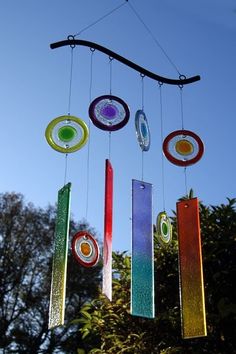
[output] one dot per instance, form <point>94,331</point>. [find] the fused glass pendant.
<point>67,134</point>
<point>142,275</point>
<point>142,130</point>
<point>193,314</point>
<point>183,148</point>
<point>85,249</point>
<point>164,229</point>
<point>59,267</point>
<point>109,112</point>
<point>107,244</point>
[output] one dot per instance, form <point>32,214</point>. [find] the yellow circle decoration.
<point>67,134</point>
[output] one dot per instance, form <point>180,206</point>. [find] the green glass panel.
<point>59,267</point>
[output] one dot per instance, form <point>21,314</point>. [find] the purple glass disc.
<point>109,112</point>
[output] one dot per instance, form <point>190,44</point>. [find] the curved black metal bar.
<point>73,42</point>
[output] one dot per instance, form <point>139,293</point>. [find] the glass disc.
<point>67,134</point>
<point>109,112</point>
<point>183,147</point>
<point>142,130</point>
<point>164,228</point>
<point>85,249</point>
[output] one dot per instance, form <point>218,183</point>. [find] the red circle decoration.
<point>109,112</point>
<point>183,147</point>
<point>85,249</point>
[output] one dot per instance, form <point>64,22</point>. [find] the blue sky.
<point>199,37</point>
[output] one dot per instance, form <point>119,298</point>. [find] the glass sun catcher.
<point>68,134</point>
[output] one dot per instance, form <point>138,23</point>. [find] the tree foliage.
<point>108,327</point>
<point>93,323</point>
<point>26,247</point>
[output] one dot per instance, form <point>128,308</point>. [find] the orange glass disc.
<point>85,249</point>
<point>184,147</point>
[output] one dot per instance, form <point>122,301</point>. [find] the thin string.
<point>110,66</point>
<point>162,157</point>
<point>109,145</point>
<point>154,38</point>
<point>182,124</point>
<point>100,19</point>
<point>185,181</point>
<point>142,164</point>
<point>142,85</point>
<point>110,84</point>
<point>71,76</point>
<point>181,107</point>
<point>89,126</point>
<point>142,101</point>
<point>65,174</point>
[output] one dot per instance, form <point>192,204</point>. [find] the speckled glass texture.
<point>142,274</point>
<point>193,315</point>
<point>59,267</point>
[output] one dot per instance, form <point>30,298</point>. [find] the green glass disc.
<point>67,133</point>
<point>164,228</point>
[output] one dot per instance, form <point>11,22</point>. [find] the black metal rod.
<point>140,69</point>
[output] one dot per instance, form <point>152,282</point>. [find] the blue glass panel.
<point>142,276</point>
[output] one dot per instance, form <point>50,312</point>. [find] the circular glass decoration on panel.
<point>142,130</point>
<point>109,112</point>
<point>67,134</point>
<point>85,249</point>
<point>164,228</point>
<point>183,147</point>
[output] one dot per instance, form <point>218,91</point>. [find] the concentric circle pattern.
<point>142,130</point>
<point>109,112</point>
<point>164,228</point>
<point>85,249</point>
<point>67,134</point>
<point>183,147</point>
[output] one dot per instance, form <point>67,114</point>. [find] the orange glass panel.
<point>193,314</point>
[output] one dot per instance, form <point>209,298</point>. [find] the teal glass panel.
<point>142,275</point>
<point>59,266</point>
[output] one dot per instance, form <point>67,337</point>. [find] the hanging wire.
<point>65,174</point>
<point>110,85</point>
<point>153,37</point>
<point>181,107</point>
<point>182,124</point>
<point>185,181</point>
<point>109,145</point>
<point>142,165</point>
<point>100,19</point>
<point>71,76</point>
<point>110,66</point>
<point>162,138</point>
<point>142,83</point>
<point>89,126</point>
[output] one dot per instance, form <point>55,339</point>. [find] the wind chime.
<point>109,113</point>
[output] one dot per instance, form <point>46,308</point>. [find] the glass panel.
<point>107,247</point>
<point>142,282</point>
<point>193,314</point>
<point>59,267</point>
